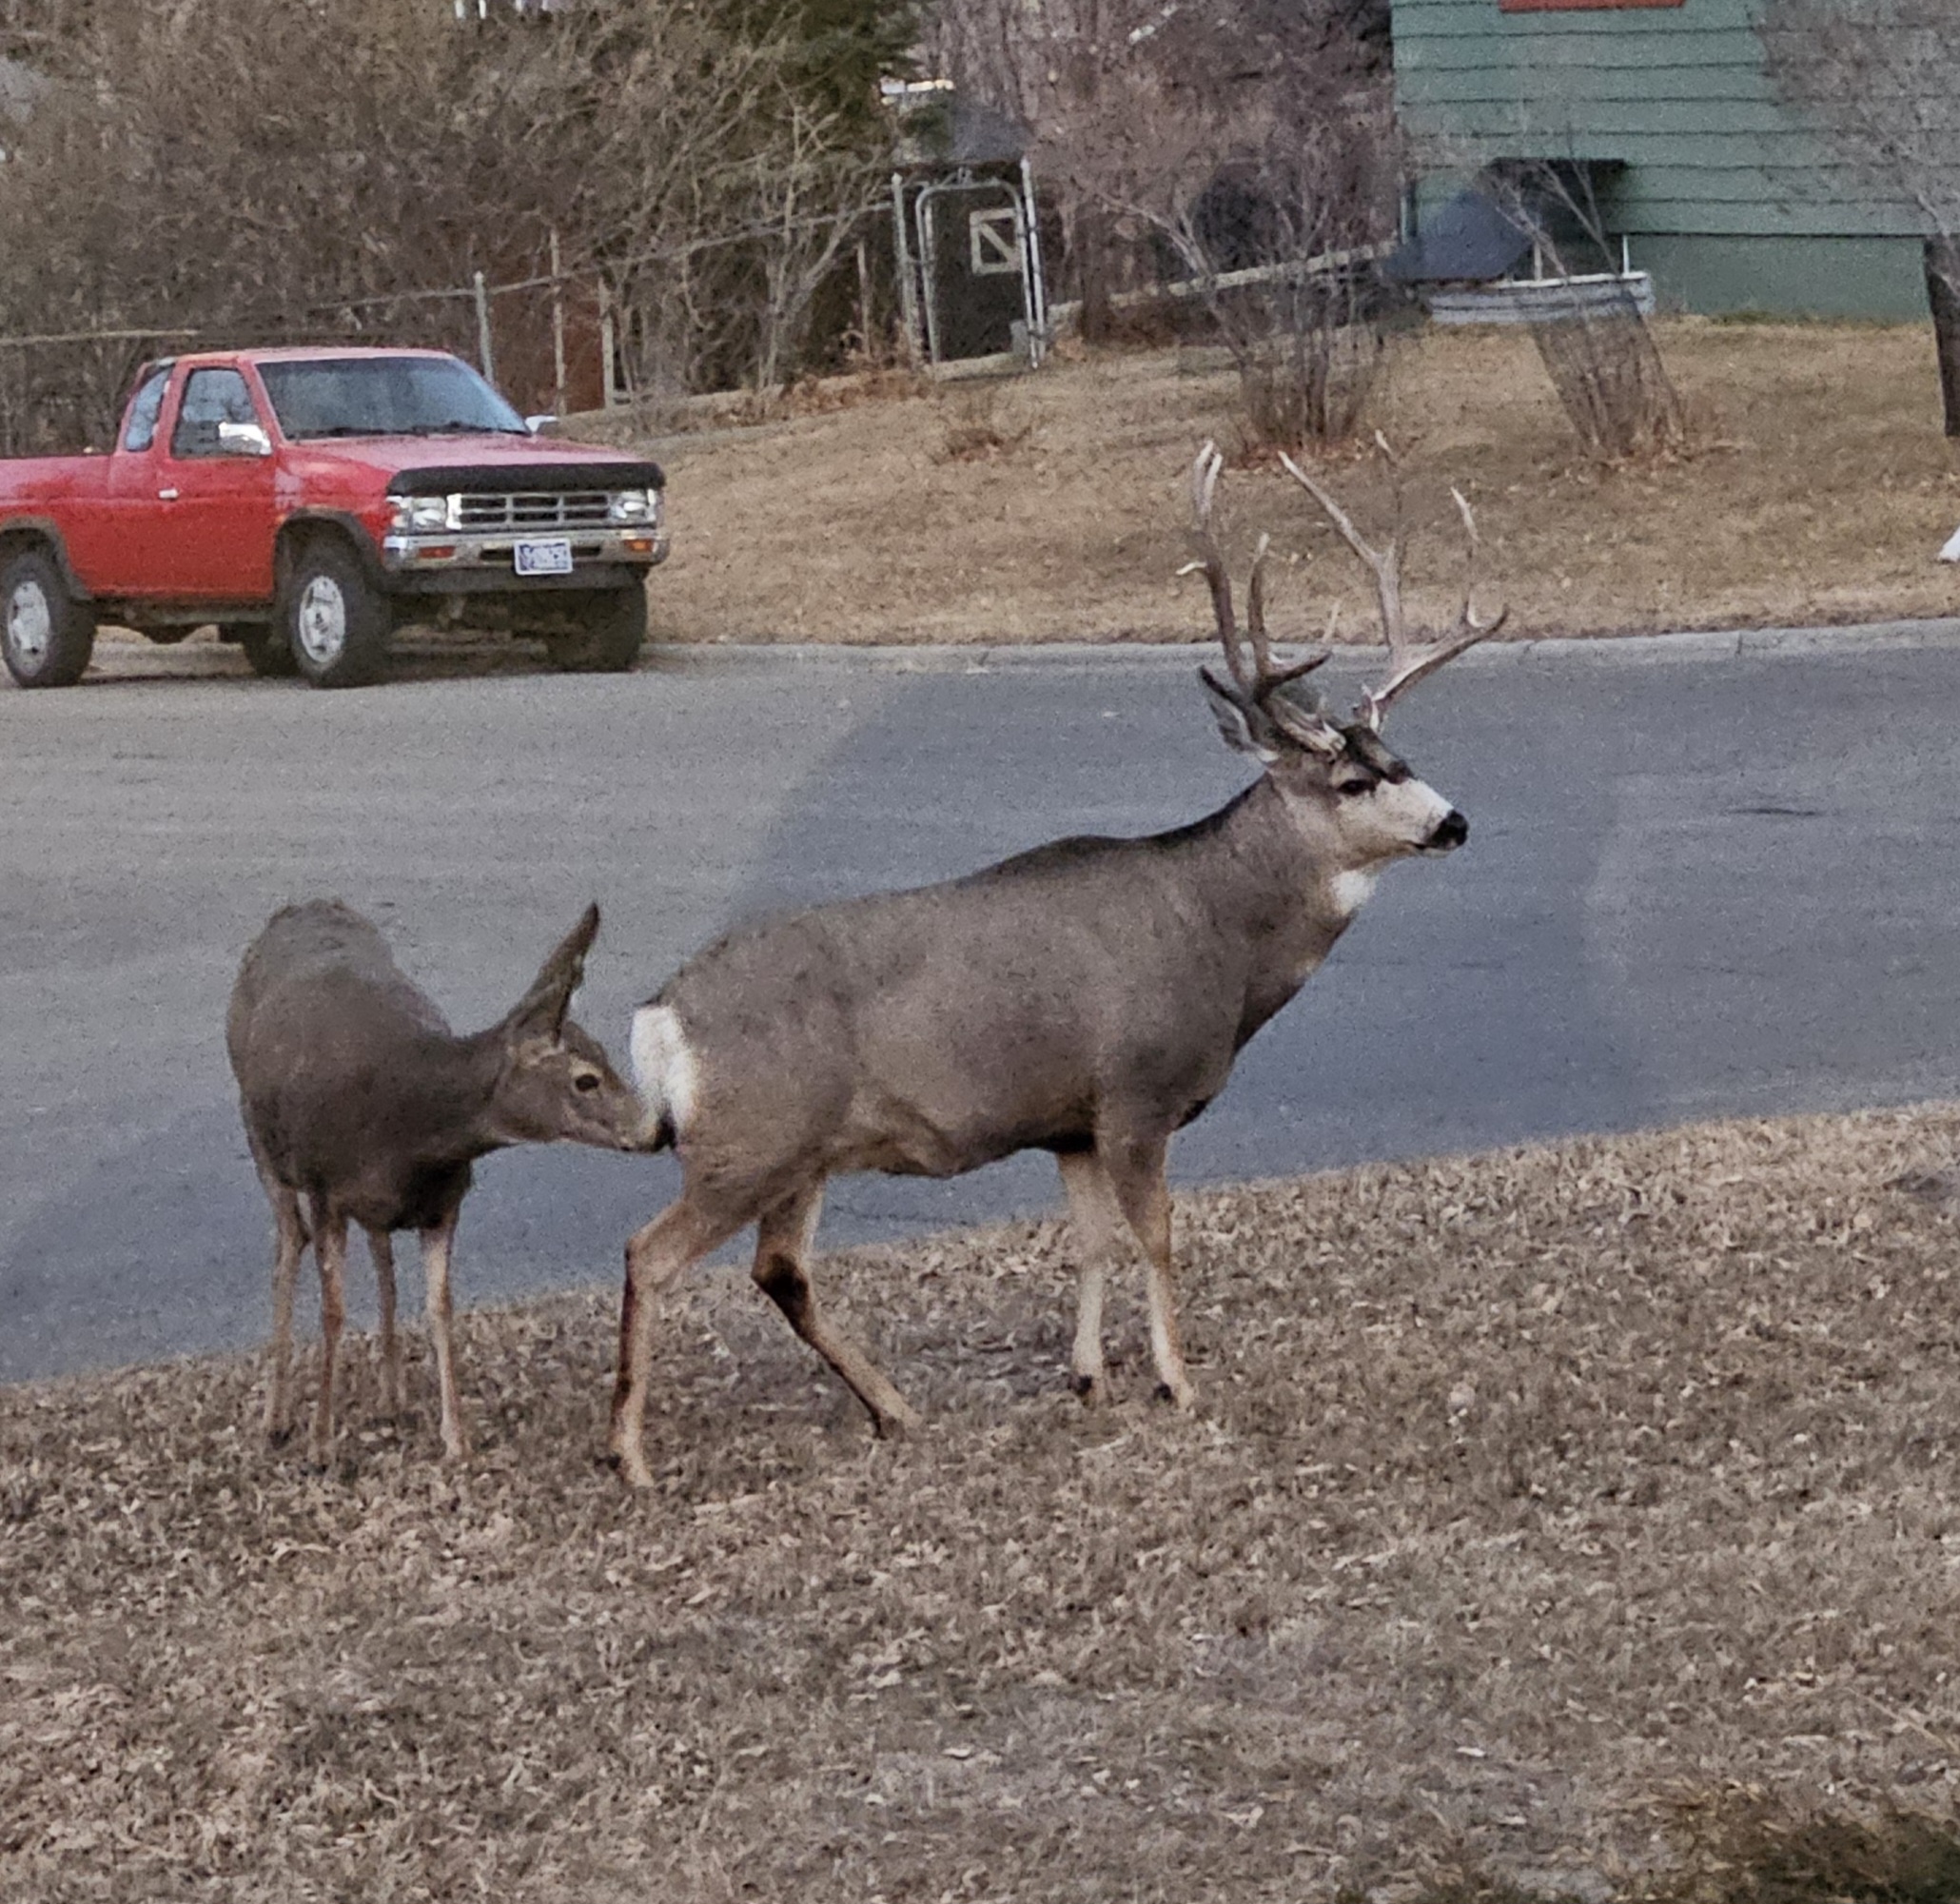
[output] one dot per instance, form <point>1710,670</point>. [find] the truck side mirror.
<point>244,439</point>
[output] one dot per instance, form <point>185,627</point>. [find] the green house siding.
<point>1723,194</point>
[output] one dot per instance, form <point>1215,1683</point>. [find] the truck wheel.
<point>46,635</point>
<point>609,628</point>
<point>265,646</point>
<point>335,622</point>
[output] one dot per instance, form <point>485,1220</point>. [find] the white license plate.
<point>552,557</point>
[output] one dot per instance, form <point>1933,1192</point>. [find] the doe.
<point>358,1097</point>
<point>1086,998</point>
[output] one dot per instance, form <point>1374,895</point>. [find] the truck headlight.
<point>634,505</point>
<point>421,512</point>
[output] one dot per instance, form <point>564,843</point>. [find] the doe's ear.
<point>541,1010</point>
<point>1242,727</point>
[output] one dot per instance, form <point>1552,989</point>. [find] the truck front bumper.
<point>453,562</point>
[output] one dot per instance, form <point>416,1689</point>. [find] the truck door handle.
<point>167,496</point>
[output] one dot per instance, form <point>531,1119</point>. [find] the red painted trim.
<point>1575,6</point>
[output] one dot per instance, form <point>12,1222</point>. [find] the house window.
<point>1574,6</point>
<point>994,239</point>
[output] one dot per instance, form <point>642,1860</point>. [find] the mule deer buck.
<point>1086,998</point>
<point>358,1097</point>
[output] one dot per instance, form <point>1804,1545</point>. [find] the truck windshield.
<point>384,397</point>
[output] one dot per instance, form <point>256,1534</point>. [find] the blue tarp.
<point>1469,239</point>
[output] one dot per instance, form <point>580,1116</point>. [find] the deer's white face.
<point>1364,803</point>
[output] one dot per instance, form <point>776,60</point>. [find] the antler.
<point>1408,662</point>
<point>1258,681</point>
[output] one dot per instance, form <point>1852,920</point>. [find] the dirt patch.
<point>1537,1503</point>
<point>1818,490</point>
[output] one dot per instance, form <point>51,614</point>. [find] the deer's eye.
<point>586,1081</point>
<point>1348,789</point>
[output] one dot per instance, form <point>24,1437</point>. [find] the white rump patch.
<point>664,1067</point>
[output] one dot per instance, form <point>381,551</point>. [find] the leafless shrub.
<point>973,429</point>
<point>1597,349</point>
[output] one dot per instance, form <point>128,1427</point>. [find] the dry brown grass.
<point>1543,1508</point>
<point>1819,490</point>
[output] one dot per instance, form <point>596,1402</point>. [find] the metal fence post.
<point>486,362</point>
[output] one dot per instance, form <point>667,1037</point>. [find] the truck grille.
<point>535,509</point>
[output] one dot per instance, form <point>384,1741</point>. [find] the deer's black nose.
<point>1452,830</point>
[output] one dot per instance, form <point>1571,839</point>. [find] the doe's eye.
<point>1348,789</point>
<point>586,1081</point>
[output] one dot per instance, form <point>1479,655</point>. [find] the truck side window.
<point>210,398</point>
<point>148,404</point>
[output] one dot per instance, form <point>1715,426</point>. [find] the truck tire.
<point>46,635</point>
<point>609,629</point>
<point>335,621</point>
<point>266,648</point>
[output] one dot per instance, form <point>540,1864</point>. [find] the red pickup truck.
<point>309,503</point>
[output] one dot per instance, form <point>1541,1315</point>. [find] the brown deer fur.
<point>358,1098</point>
<point>1086,998</point>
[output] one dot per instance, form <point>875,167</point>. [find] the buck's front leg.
<point>1098,1225</point>
<point>1136,1171</point>
<point>436,1244</point>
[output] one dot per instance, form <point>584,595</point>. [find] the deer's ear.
<point>541,1010</point>
<point>1242,726</point>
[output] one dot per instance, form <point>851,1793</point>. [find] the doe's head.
<point>558,1085</point>
<point>1340,779</point>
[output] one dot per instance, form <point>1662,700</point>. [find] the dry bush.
<point>972,428</point>
<point>1531,1496</point>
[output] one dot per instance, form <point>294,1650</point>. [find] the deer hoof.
<point>895,1424</point>
<point>1092,1389</point>
<point>1184,1399</point>
<point>631,1468</point>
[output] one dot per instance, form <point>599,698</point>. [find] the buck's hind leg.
<point>1136,1173</point>
<point>1097,1219</point>
<point>783,1240</point>
<point>680,1235</point>
<point>293,1238</point>
<point>380,1245</point>
<point>330,1252</point>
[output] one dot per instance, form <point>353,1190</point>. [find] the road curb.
<point>1180,657</point>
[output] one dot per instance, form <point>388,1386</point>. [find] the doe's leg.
<point>1098,1222</point>
<point>380,1245</point>
<point>293,1238</point>
<point>436,1242</point>
<point>783,1240</point>
<point>656,1254</point>
<point>1136,1172</point>
<point>330,1251</point>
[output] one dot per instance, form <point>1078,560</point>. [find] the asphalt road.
<point>1696,883</point>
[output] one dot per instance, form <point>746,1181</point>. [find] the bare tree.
<point>1881,80</point>
<point>1253,152</point>
<point>342,169</point>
